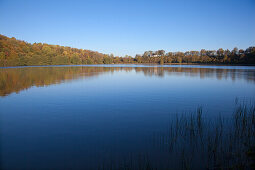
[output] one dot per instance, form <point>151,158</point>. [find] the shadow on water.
<point>21,78</point>
<point>193,141</point>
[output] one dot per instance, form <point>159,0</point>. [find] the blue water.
<point>85,116</point>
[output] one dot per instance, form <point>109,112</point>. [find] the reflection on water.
<point>127,117</point>
<point>17,79</point>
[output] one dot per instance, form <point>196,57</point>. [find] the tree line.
<point>219,56</point>
<point>14,52</point>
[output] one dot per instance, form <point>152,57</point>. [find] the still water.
<point>97,117</point>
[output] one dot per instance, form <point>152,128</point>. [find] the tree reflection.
<point>18,79</point>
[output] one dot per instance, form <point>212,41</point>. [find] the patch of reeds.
<point>193,141</point>
<point>201,143</point>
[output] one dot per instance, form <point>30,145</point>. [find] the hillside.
<point>14,52</point>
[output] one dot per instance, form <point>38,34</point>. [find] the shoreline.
<point>128,64</point>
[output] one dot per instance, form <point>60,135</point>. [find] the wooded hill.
<point>14,52</point>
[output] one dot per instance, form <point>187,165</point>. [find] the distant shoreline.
<point>14,52</point>
<point>129,64</point>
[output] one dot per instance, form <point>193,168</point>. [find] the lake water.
<point>96,117</point>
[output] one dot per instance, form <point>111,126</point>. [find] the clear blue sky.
<point>130,27</point>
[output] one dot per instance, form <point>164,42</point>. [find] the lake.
<point>113,116</point>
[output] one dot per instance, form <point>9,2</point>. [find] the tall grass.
<point>193,141</point>
<point>201,143</point>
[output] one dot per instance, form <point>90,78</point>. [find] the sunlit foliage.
<point>20,53</point>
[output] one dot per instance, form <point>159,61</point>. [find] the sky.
<point>130,27</point>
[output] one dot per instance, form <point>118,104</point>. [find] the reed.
<point>193,141</point>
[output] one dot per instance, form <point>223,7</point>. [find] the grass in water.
<point>194,141</point>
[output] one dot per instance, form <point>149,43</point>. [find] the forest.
<point>15,52</point>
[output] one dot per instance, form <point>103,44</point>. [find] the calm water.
<point>86,117</point>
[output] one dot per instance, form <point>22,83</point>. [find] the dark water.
<point>97,117</point>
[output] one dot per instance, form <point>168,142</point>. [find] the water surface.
<point>83,117</point>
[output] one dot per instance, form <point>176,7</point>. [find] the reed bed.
<point>194,141</point>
